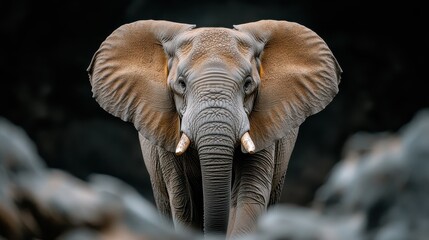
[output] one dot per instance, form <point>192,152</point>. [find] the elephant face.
<point>213,77</point>
<point>275,73</point>
<point>214,87</point>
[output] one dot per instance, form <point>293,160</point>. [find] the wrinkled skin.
<point>214,85</point>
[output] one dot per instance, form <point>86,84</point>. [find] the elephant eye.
<point>181,83</point>
<point>248,85</point>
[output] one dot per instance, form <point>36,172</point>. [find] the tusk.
<point>182,145</point>
<point>247,143</point>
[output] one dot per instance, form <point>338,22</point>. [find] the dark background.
<point>46,47</point>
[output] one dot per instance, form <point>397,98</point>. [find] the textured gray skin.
<point>257,183</point>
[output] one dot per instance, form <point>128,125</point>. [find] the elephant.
<point>217,111</point>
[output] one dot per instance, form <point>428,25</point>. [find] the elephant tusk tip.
<point>251,149</point>
<point>182,145</point>
<point>247,143</point>
<point>179,152</point>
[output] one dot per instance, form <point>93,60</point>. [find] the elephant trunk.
<point>214,121</point>
<point>216,150</point>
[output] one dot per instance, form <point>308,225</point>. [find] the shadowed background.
<point>47,46</point>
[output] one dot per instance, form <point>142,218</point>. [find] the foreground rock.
<point>386,181</point>
<point>43,203</point>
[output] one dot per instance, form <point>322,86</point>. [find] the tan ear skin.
<point>128,75</point>
<point>299,77</point>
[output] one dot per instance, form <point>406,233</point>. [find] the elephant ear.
<point>299,77</point>
<point>128,75</point>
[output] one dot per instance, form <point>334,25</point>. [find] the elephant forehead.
<point>215,43</point>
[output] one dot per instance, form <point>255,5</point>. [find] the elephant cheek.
<point>180,103</point>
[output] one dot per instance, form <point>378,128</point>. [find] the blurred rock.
<point>9,218</point>
<point>140,216</point>
<point>18,154</point>
<point>385,177</point>
<point>363,165</point>
<point>45,203</point>
<point>59,201</point>
<point>297,223</point>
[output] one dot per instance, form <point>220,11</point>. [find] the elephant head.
<point>215,88</point>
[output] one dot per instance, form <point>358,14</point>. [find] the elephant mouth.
<point>246,143</point>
